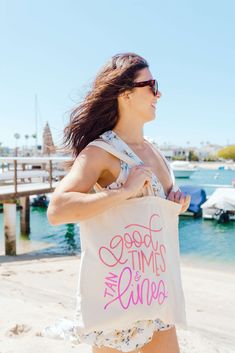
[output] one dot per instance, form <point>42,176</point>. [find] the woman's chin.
<point>153,116</point>
<point>150,117</point>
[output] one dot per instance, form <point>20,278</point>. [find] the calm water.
<point>200,240</point>
<point>209,177</point>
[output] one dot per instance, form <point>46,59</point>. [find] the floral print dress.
<point>140,332</point>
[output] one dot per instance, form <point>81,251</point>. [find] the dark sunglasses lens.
<point>156,88</point>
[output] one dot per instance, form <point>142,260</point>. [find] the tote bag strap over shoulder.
<point>107,147</point>
<point>148,190</point>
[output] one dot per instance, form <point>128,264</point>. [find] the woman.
<point>122,99</point>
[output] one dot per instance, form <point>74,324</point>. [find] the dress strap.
<point>117,142</point>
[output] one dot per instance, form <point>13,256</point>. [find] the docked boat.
<point>39,201</point>
<point>183,169</point>
<point>220,205</point>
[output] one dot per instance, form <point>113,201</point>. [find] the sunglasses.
<point>152,83</point>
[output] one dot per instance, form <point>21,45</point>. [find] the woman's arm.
<point>71,200</point>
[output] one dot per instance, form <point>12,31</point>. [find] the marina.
<point>220,206</point>
<point>148,72</point>
<point>199,238</point>
<point>20,178</point>
<point>183,169</point>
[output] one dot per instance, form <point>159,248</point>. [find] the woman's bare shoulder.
<point>87,168</point>
<point>94,155</point>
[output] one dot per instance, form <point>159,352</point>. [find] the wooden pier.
<point>21,177</point>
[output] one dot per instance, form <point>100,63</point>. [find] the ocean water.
<point>201,241</point>
<point>209,180</point>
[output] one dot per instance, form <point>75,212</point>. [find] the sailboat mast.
<point>36,120</point>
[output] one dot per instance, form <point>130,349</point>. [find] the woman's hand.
<point>138,177</point>
<point>180,197</point>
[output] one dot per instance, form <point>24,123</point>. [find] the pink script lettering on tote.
<point>134,291</point>
<point>138,236</point>
<point>111,284</point>
<point>153,260</point>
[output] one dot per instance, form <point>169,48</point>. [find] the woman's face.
<point>141,103</point>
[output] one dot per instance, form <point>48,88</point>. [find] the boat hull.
<point>220,205</point>
<point>183,173</point>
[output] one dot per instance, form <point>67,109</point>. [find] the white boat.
<point>183,169</point>
<point>220,205</point>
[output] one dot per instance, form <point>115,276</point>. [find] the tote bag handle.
<point>147,190</point>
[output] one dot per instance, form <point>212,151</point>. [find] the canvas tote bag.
<point>130,263</point>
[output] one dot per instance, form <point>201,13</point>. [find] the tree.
<point>227,152</point>
<point>192,156</point>
<point>210,158</point>
<point>17,137</point>
<point>26,136</point>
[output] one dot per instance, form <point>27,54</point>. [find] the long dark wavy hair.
<point>99,110</point>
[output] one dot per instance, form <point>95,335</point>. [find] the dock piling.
<point>9,220</point>
<point>25,215</point>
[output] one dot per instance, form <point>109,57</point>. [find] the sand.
<point>35,291</point>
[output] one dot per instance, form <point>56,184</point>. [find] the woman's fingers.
<point>186,203</point>
<point>171,196</point>
<point>174,196</point>
<point>188,199</point>
<point>180,197</point>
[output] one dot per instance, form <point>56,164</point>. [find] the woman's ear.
<point>125,94</point>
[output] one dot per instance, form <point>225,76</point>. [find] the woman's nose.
<point>159,94</point>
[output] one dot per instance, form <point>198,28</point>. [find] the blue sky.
<point>55,48</point>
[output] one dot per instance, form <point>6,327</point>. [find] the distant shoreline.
<point>213,165</point>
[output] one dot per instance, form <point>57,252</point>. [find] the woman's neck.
<point>131,135</point>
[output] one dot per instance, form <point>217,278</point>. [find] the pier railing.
<point>21,177</point>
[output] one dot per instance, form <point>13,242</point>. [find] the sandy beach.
<point>37,290</point>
